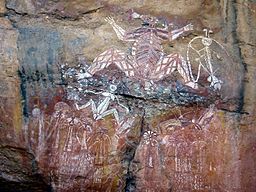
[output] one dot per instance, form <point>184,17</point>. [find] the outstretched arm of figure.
<point>93,92</point>
<point>174,34</point>
<point>85,105</point>
<point>120,32</point>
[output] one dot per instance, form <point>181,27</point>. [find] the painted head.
<point>149,21</point>
<point>112,88</point>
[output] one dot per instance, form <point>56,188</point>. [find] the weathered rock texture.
<point>163,135</point>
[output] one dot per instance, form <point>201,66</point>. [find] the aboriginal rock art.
<point>205,58</point>
<point>188,165</point>
<point>102,110</point>
<point>64,138</point>
<point>187,143</point>
<point>79,147</point>
<point>177,151</point>
<point>148,154</point>
<point>146,61</point>
<point>100,146</point>
<point>186,120</point>
<point>173,153</point>
<point>81,137</point>
<point>150,142</point>
<point>37,133</point>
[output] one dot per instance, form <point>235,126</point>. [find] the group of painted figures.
<point>147,62</point>
<point>75,143</point>
<point>84,137</point>
<point>146,59</point>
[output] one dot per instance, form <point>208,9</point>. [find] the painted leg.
<point>186,73</point>
<point>111,56</point>
<point>169,64</point>
<point>165,66</point>
<point>85,105</point>
<point>111,111</point>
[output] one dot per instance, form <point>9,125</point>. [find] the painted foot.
<point>83,75</point>
<point>193,85</point>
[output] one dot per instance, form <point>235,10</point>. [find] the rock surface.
<point>62,131</point>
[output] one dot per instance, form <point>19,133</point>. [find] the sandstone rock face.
<point>152,106</point>
<point>2,7</point>
<point>11,111</point>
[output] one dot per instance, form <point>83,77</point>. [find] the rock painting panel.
<point>176,153</point>
<point>211,63</point>
<point>100,111</point>
<point>149,167</point>
<point>189,166</point>
<point>79,144</point>
<point>204,59</point>
<point>80,141</point>
<point>146,61</point>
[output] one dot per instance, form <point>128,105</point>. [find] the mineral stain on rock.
<point>39,48</point>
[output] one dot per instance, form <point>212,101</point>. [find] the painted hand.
<point>110,20</point>
<point>188,27</point>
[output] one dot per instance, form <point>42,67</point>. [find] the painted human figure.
<point>69,154</point>
<point>146,60</point>
<point>148,154</point>
<point>200,123</point>
<point>150,146</point>
<point>99,147</point>
<point>102,110</point>
<point>150,141</point>
<point>38,137</point>
<point>204,59</point>
<point>99,144</point>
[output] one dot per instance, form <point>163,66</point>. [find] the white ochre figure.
<point>102,109</point>
<point>204,59</point>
